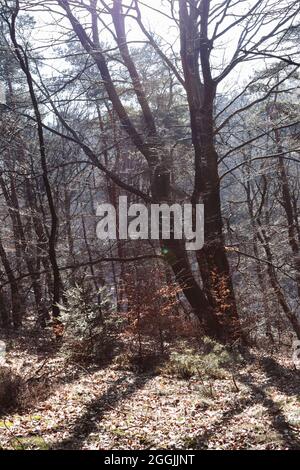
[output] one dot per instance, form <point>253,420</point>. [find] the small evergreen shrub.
<point>89,325</point>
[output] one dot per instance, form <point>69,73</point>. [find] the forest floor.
<point>257,407</point>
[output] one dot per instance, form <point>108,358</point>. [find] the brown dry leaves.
<point>113,409</point>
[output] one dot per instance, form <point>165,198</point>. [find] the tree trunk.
<point>16,300</point>
<point>24,64</point>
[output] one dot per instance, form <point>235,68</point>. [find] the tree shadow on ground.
<point>277,376</point>
<point>288,435</point>
<point>39,342</point>
<point>89,421</point>
<point>282,378</point>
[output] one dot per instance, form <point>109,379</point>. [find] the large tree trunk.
<point>177,258</point>
<point>212,259</point>
<point>201,92</point>
<point>216,302</point>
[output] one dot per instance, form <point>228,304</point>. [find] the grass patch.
<point>30,443</point>
<point>210,361</point>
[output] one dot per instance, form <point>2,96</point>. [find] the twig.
<point>235,384</point>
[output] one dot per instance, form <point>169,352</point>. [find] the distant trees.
<point>117,111</point>
<point>269,177</point>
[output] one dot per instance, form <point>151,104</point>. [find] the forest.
<point>150,225</point>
